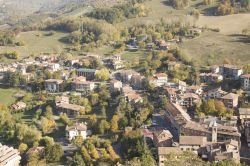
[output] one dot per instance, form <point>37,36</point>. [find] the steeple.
<point>214,132</point>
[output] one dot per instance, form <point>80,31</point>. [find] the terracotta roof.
<point>190,95</point>
<point>171,90</point>
<point>177,111</point>
<point>192,140</point>
<point>230,66</point>
<point>160,75</point>
<point>77,126</point>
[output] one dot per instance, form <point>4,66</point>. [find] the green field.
<point>7,96</point>
<point>36,42</point>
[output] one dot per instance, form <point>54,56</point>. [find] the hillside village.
<point>183,117</point>
<point>116,88</point>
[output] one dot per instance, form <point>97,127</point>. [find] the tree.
<point>103,126</point>
<point>27,135</point>
<point>47,125</point>
<point>76,161</point>
<point>85,154</point>
<point>47,141</point>
<point>53,153</point>
<point>65,119</point>
<point>93,152</point>
<point>48,112</point>
<point>22,148</point>
<point>102,75</point>
<point>114,123</point>
<point>78,141</point>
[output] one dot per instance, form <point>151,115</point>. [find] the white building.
<point>78,129</point>
<point>53,85</point>
<point>9,156</point>
<point>159,79</point>
<point>245,82</point>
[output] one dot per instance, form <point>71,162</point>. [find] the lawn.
<point>214,47</point>
<point>36,42</point>
<point>131,55</point>
<point>7,96</point>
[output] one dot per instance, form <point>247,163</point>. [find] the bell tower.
<point>214,132</point>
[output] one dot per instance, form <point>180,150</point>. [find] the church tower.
<point>214,132</point>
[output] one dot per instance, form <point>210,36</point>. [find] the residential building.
<point>162,138</point>
<point>115,86</point>
<point>164,151</point>
<point>159,79</point>
<point>216,93</point>
<point>131,95</point>
<point>78,129</point>
<point>171,94</point>
<point>230,71</point>
<point>18,106</point>
<point>53,67</point>
<point>9,156</point>
<point>244,114</point>
<point>81,85</point>
<point>230,100</point>
<point>177,116</point>
<point>247,132</point>
<point>192,143</point>
<point>126,75</point>
<point>188,99</point>
<point>53,85</point>
<point>210,77</point>
<point>195,89</point>
<point>245,82</point>
<point>63,105</point>
<point>89,74</point>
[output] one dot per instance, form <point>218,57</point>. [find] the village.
<point>200,118</point>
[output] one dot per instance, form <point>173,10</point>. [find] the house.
<point>126,75</point>
<point>192,143</point>
<point>69,109</point>
<point>195,89</point>
<point>63,105</point>
<point>188,99</point>
<point>164,151</point>
<point>171,94</point>
<point>115,86</point>
<point>159,79</point>
<point>53,85</point>
<point>80,84</point>
<point>162,138</point>
<point>182,86</point>
<point>245,82</point>
<point>131,95</point>
<point>9,156</point>
<point>78,129</point>
<point>88,73</point>
<point>247,132</point>
<point>215,93</point>
<point>230,71</point>
<point>18,106</point>
<point>244,114</point>
<point>210,77</point>
<point>53,67</point>
<point>230,100</point>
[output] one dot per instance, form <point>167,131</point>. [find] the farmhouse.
<point>78,129</point>
<point>53,85</point>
